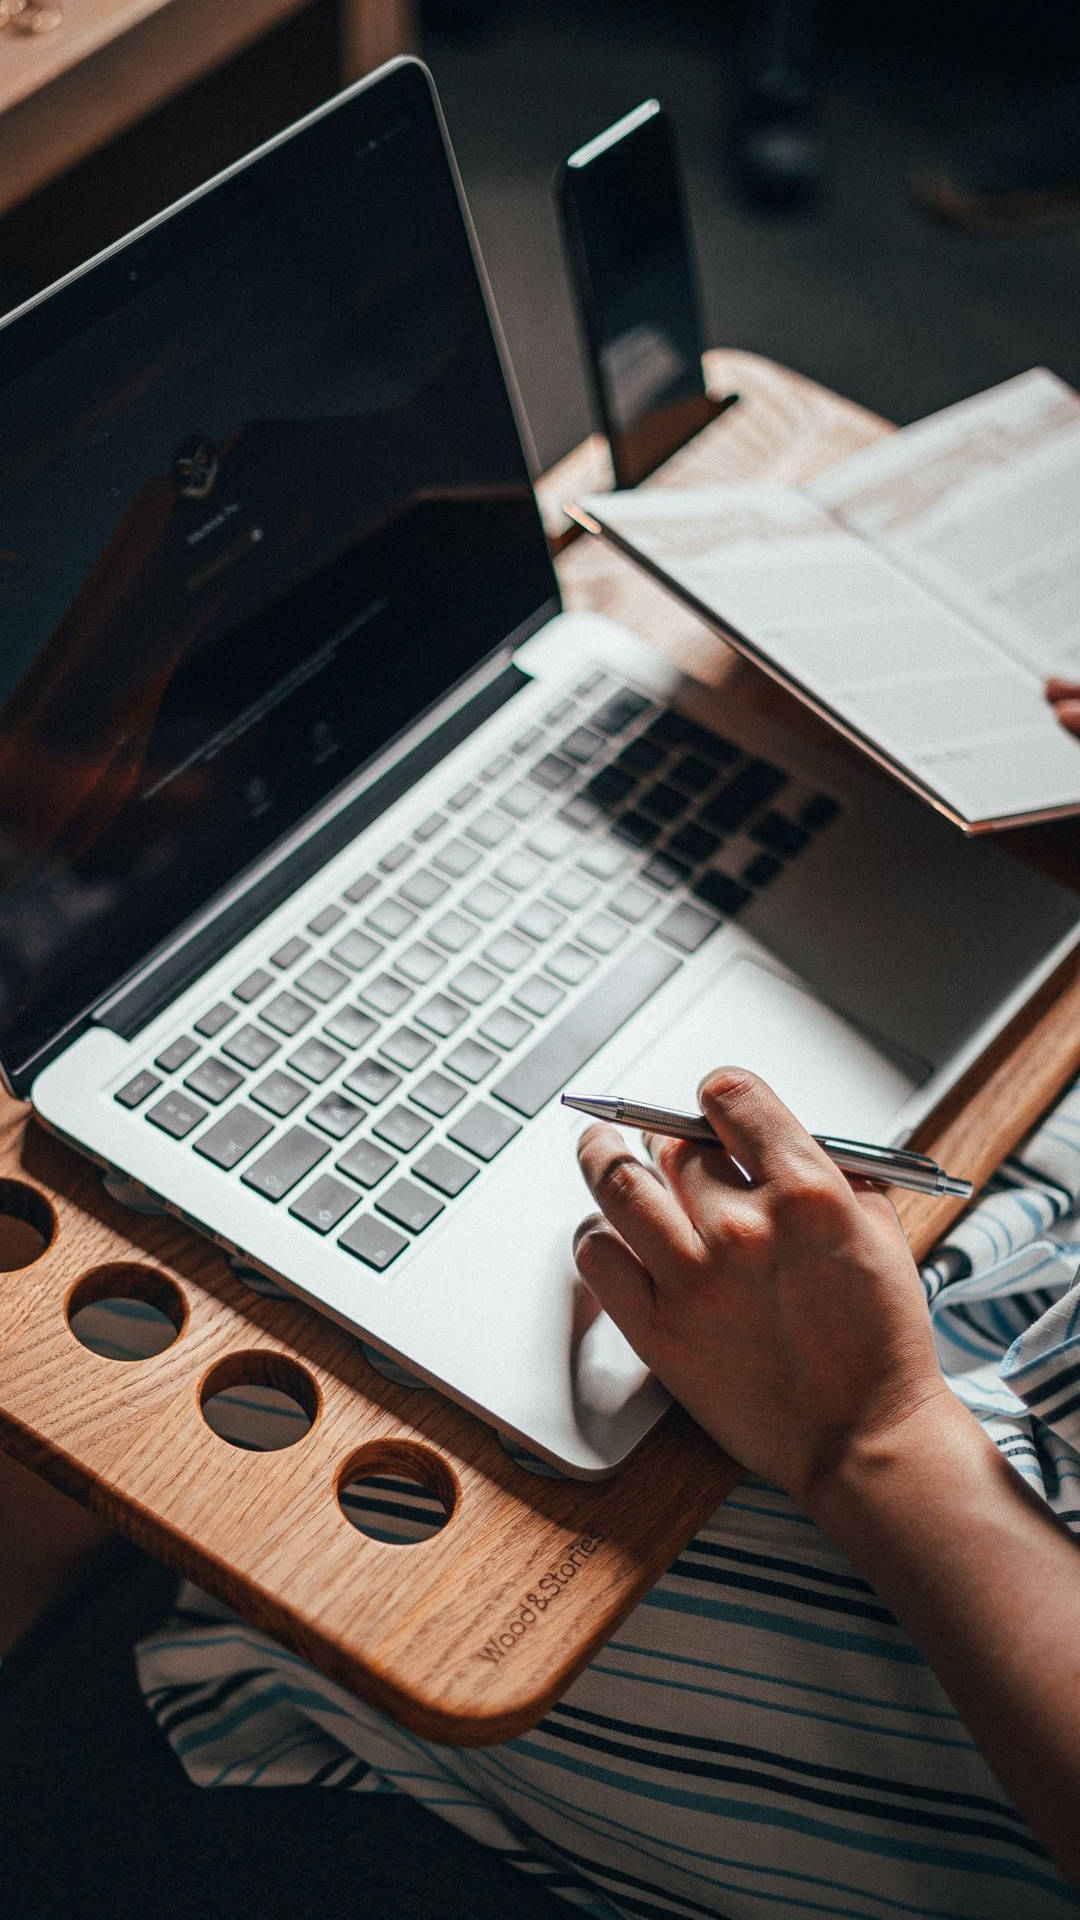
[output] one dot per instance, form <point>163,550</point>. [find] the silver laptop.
<point>331,852</point>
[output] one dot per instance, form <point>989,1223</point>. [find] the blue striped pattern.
<point>760,1738</point>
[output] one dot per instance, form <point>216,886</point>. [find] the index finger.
<point>759,1132</point>
<point>638,1205</point>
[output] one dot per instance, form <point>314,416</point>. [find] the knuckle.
<point>618,1181</point>
<point>813,1206</point>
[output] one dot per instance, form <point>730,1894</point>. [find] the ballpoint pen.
<point>893,1166</point>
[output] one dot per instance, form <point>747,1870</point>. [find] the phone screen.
<point>630,253</point>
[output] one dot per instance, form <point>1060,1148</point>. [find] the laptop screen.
<point>262,501</point>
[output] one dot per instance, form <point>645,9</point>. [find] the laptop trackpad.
<point>831,1076</point>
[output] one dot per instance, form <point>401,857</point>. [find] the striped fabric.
<point>760,1737</point>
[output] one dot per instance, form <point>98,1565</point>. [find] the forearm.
<point>987,1582</point>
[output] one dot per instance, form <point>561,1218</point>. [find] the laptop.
<point>332,851</point>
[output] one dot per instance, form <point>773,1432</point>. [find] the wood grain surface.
<point>469,1637</point>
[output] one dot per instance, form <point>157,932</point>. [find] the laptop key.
<point>402,1128</point>
<point>693,773</point>
<point>632,902</point>
<point>483,1131</point>
<point>373,1242</point>
<point>485,900</point>
<point>315,1060</point>
<point>509,951</point>
<point>642,755</point>
<point>505,1028</point>
<point>406,1048</point>
<point>687,927</point>
<point>213,1081</point>
<point>492,769</point>
<point>551,840</point>
<point>610,787</point>
<point>410,1206</point>
<point>489,829</point>
<point>391,918</point>
<point>423,888</point>
<point>526,741</point>
<point>818,811</point>
<point>566,1047</point>
<point>372,1081</point>
<point>581,812</point>
<point>177,1054</point>
<point>279,1093</point>
<point>583,746</point>
<point>395,858</point>
<point>231,1137</point>
<point>176,1114</point>
<point>537,995</point>
<point>619,711</point>
<point>521,800</point>
<point>665,872</point>
<point>463,797</point>
<point>251,1046</point>
<point>214,1019</point>
<point>290,953</point>
<point>694,843</point>
<point>331,916</point>
<point>779,835</point>
<point>335,1115</point>
<point>456,859</point>
<point>386,994</point>
<point>428,828</point>
<point>438,1093</point>
<point>553,772</point>
<point>453,931</point>
<point>603,861</point>
<point>420,962</point>
<point>138,1089</point>
<point>471,1060</point>
<point>277,1172</point>
<point>519,871</point>
<point>720,891</point>
<point>540,921</point>
<point>603,933</point>
<point>366,1163</point>
<point>475,983</point>
<point>444,1170</point>
<point>751,787</point>
<point>287,1013</point>
<point>571,890</point>
<point>364,884</point>
<point>663,802</point>
<point>635,829</point>
<point>763,868</point>
<point>441,1015</point>
<point>255,984</point>
<point>324,1203</point>
<point>351,1027</point>
<point>570,964</point>
<point>322,981</point>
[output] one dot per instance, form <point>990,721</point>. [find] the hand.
<point>1064,697</point>
<point>781,1306</point>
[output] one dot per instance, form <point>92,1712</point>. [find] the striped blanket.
<point>760,1737</point>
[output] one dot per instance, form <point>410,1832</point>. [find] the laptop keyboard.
<point>380,1057</point>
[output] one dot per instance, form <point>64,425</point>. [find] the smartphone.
<point>631,262</point>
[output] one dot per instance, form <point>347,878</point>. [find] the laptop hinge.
<point>135,1005</point>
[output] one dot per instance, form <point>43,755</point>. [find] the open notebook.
<point>917,594</point>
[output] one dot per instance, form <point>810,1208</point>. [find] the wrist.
<point>881,1467</point>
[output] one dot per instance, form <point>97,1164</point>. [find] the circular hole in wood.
<point>27,1225</point>
<point>126,1312</point>
<point>397,1493</point>
<point>259,1401</point>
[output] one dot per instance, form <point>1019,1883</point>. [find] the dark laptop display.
<point>262,501</point>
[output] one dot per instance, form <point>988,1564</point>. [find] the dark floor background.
<point>868,293</point>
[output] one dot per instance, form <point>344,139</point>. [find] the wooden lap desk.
<point>448,1636</point>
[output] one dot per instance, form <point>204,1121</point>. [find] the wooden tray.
<point>469,1637</point>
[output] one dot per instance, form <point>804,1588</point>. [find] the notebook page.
<point>982,502</point>
<point>848,626</point>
